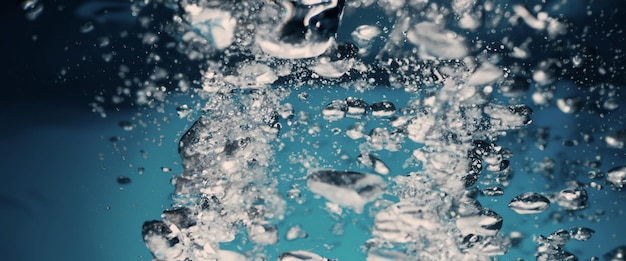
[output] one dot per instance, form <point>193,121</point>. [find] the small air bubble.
<point>87,27</point>
<point>126,125</point>
<point>123,180</point>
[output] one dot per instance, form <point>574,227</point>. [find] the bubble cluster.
<point>422,164</point>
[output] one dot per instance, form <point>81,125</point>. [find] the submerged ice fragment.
<point>529,203</point>
<point>347,188</point>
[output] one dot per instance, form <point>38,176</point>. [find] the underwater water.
<point>313,130</point>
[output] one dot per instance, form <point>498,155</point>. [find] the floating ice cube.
<point>347,188</point>
<point>529,203</point>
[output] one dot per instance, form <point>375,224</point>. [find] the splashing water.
<point>386,129</point>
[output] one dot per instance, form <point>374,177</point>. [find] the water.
<point>353,130</point>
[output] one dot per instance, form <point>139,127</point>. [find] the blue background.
<point>59,199</point>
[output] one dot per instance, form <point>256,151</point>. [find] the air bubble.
<point>529,203</point>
